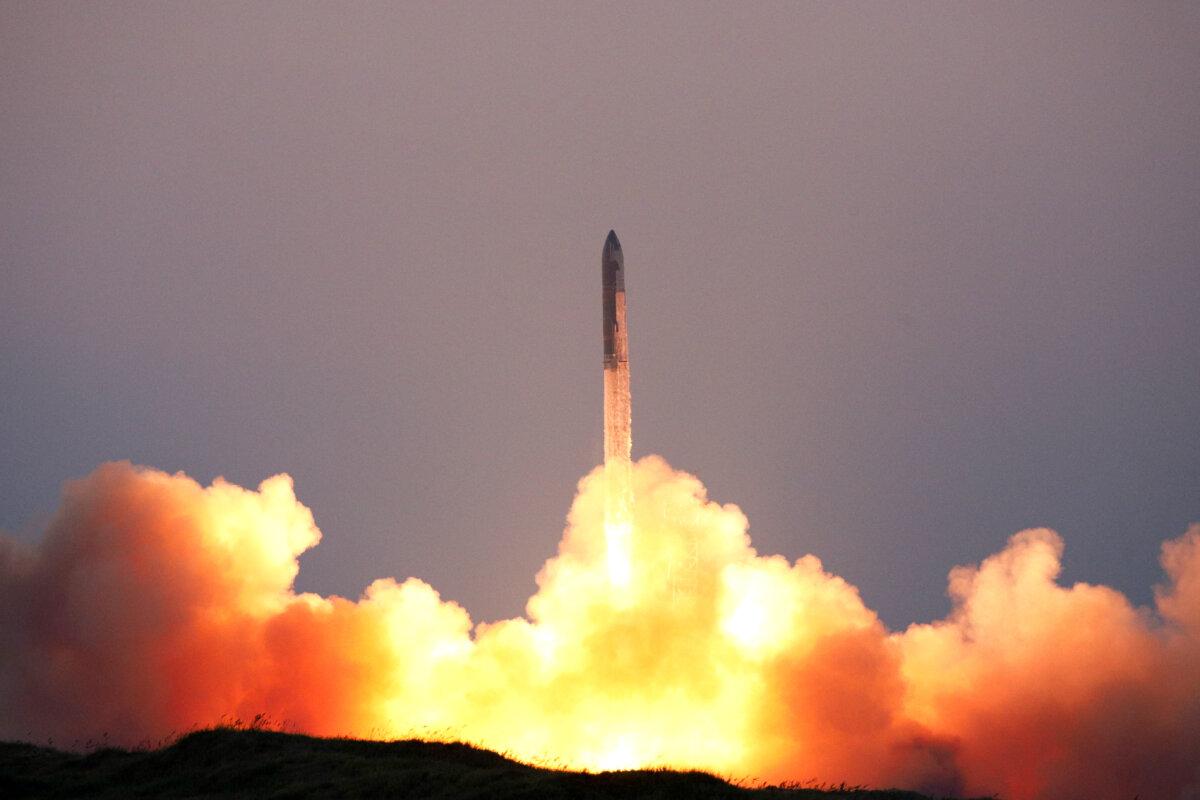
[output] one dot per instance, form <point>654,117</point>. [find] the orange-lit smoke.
<point>154,605</point>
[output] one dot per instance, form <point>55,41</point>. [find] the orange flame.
<point>153,604</point>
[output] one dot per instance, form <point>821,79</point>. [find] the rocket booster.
<point>612,265</point>
<point>617,433</point>
<point>618,469</point>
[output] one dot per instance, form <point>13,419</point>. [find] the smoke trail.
<point>153,604</point>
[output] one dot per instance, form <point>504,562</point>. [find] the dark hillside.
<point>266,764</point>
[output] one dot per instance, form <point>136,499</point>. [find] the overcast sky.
<point>903,279</point>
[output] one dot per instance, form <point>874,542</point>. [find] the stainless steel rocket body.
<point>612,263</point>
<point>617,432</point>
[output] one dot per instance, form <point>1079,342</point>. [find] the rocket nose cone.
<point>612,244</point>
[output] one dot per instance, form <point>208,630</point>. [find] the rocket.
<point>612,268</point>
<point>617,434</point>
<point>618,469</point>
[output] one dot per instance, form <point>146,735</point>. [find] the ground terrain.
<point>241,763</point>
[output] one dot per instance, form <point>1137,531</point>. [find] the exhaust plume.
<point>152,605</point>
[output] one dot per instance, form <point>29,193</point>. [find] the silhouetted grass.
<point>253,762</point>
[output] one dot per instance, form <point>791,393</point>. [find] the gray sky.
<point>903,279</point>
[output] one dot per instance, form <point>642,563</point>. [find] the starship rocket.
<point>617,433</point>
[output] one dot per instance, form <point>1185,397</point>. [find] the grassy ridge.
<point>237,763</point>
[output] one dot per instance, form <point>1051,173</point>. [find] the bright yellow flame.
<point>759,606</point>
<point>618,522</point>
<point>618,540</point>
<point>622,753</point>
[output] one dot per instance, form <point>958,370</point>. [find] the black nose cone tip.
<point>612,244</point>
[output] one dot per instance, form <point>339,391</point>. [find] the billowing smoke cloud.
<point>153,605</point>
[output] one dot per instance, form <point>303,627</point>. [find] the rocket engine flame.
<point>153,604</point>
